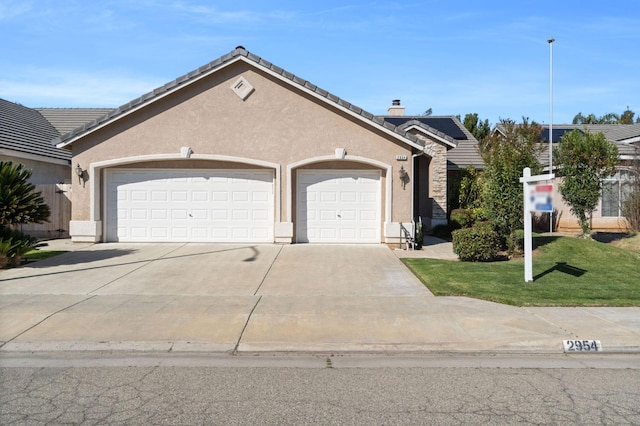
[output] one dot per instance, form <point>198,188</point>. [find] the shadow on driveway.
<point>85,257</point>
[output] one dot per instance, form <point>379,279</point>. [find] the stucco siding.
<point>42,172</point>
<point>276,124</point>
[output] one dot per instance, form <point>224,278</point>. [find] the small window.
<point>614,191</point>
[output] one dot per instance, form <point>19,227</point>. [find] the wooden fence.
<point>58,198</point>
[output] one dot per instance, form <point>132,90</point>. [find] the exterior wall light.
<point>403,176</point>
<point>79,173</point>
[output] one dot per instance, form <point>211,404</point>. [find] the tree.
<point>611,118</point>
<point>19,203</point>
<point>505,156</point>
<point>584,159</point>
<point>478,128</point>
<point>627,116</point>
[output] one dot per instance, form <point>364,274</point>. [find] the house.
<point>241,150</point>
<point>26,137</point>
<point>607,217</point>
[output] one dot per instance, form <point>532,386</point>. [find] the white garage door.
<point>189,205</point>
<point>338,206</point>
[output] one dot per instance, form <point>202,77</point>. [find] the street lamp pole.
<point>550,41</point>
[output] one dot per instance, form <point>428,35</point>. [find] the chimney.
<point>396,110</point>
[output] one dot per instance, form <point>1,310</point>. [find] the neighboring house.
<point>26,137</point>
<point>607,217</point>
<point>241,150</point>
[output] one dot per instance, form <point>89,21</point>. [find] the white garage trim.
<point>338,206</point>
<point>184,205</point>
<point>97,190</point>
<point>354,158</point>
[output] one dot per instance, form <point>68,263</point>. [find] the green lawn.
<point>33,255</point>
<point>567,272</point>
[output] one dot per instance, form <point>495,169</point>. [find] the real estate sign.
<point>537,198</point>
<point>541,198</point>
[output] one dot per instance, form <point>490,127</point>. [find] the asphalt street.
<point>180,390</point>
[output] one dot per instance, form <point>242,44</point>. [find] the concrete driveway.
<point>255,298</point>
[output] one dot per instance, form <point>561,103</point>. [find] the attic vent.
<point>242,88</point>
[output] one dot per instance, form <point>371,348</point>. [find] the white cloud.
<point>62,88</point>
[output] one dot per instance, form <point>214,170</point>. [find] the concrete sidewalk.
<point>270,298</point>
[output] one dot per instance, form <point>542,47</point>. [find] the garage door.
<point>338,206</point>
<point>189,205</point>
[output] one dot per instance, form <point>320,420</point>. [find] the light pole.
<point>550,41</point>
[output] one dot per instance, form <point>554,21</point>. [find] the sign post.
<point>537,198</point>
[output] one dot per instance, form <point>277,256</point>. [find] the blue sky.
<point>489,57</point>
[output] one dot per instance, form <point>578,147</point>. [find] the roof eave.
<point>432,134</point>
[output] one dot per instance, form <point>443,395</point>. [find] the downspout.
<point>413,176</point>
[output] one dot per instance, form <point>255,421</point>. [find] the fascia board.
<point>34,157</point>
<point>426,132</point>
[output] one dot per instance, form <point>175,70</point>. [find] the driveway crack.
<point>235,349</point>
<point>44,319</point>
<point>268,270</point>
<point>144,263</point>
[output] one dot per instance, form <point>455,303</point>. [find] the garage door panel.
<point>138,195</point>
<point>220,215</point>
<point>159,196</point>
<point>220,196</point>
<point>136,232</point>
<point>138,214</point>
<point>338,206</point>
<point>179,205</point>
<point>199,196</point>
<point>159,232</point>
<point>198,214</point>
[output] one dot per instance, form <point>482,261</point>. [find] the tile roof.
<point>67,119</point>
<point>240,53</point>
<point>622,135</point>
<point>26,130</point>
<point>465,146</point>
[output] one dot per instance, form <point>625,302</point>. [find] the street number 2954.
<point>582,345</point>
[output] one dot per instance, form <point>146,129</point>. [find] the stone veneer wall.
<point>437,179</point>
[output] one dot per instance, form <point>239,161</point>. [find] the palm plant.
<point>19,202</point>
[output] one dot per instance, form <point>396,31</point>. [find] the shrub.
<point>505,155</point>
<point>515,243</point>
<point>462,218</point>
<point>19,201</point>
<point>480,243</point>
<point>13,244</point>
<point>465,218</point>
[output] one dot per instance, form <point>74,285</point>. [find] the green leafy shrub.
<point>515,243</point>
<point>461,218</point>
<point>465,218</point>
<point>13,244</point>
<point>480,243</point>
<point>19,201</point>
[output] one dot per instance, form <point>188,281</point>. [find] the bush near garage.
<point>13,245</point>
<point>479,243</point>
<point>465,218</point>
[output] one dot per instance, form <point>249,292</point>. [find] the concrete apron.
<point>267,298</point>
